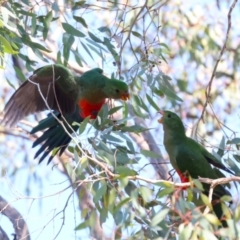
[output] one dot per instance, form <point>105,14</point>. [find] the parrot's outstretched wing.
<point>54,83</point>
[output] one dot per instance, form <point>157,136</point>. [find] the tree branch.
<point>209,86</point>
<point>3,235</point>
<point>16,219</point>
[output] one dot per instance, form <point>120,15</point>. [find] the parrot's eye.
<point>116,90</point>
<point>169,115</point>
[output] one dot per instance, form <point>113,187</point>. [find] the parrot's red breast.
<point>90,109</point>
<point>183,177</point>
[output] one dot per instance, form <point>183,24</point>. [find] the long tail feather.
<point>55,135</point>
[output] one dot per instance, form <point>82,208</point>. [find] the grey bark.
<point>19,224</point>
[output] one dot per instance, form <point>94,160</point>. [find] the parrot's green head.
<point>171,121</point>
<point>116,89</point>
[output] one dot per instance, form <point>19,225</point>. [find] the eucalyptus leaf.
<point>71,30</point>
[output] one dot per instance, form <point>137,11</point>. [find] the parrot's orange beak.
<point>125,96</point>
<point>160,120</point>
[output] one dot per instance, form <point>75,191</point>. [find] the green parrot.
<point>71,97</point>
<point>189,158</point>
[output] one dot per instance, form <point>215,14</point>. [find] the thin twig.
<point>130,32</point>
<point>209,86</point>
<point>19,224</point>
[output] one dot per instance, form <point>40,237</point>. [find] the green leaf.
<point>206,200</point>
<point>71,30</point>
<point>86,49</point>
<point>104,147</point>
<point>68,41</point>
<point>130,188</point>
<point>105,29</point>
<point>82,225</point>
<point>186,233</point>
<point>78,58</point>
<point>84,124</point>
<point>122,158</point>
<point>226,198</point>
<point>165,191</point>
<point>96,45</point>
<point>182,84</point>
<point>114,109</point>
<point>112,199</point>
<point>219,74</point>
<point>164,45</point>
<point>118,218</point>
<point>7,46</point>
<point>19,73</point>
<point>101,191</point>
<point>137,110</point>
<point>221,147</point>
<point>237,157</point>
<point>26,13</point>
<point>111,48</point>
<point>120,204</point>
<point>76,157</point>
<point>99,53</point>
<point>169,93</point>
<point>237,213</point>
<point>81,20</point>
<point>125,110</point>
<point>206,234</point>
<point>34,25</point>
<point>34,45</point>
<point>94,38</point>
<point>159,92</point>
<point>79,4</point>
<point>136,34</point>
<point>212,219</point>
<point>59,59</point>
<point>111,138</point>
<point>233,166</point>
<point>234,141</point>
<point>46,22</point>
<point>146,193</point>
<point>159,217</point>
<point>154,105</point>
<point>125,171</point>
<point>139,102</point>
<point>12,85</point>
<point>134,128</point>
<point>150,154</point>
<point>198,184</point>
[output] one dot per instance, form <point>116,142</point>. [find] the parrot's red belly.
<point>90,109</point>
<point>183,177</point>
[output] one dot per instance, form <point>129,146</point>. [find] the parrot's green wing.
<point>208,156</point>
<point>190,160</point>
<point>54,83</point>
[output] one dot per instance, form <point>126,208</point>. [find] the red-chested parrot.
<point>189,158</point>
<point>71,97</point>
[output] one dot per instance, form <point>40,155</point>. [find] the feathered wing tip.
<point>34,95</point>
<point>218,164</point>
<point>20,104</point>
<point>55,136</point>
<point>47,122</point>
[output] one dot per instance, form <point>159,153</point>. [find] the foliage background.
<point>166,51</point>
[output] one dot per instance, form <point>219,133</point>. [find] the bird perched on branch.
<point>72,98</point>
<point>190,159</point>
